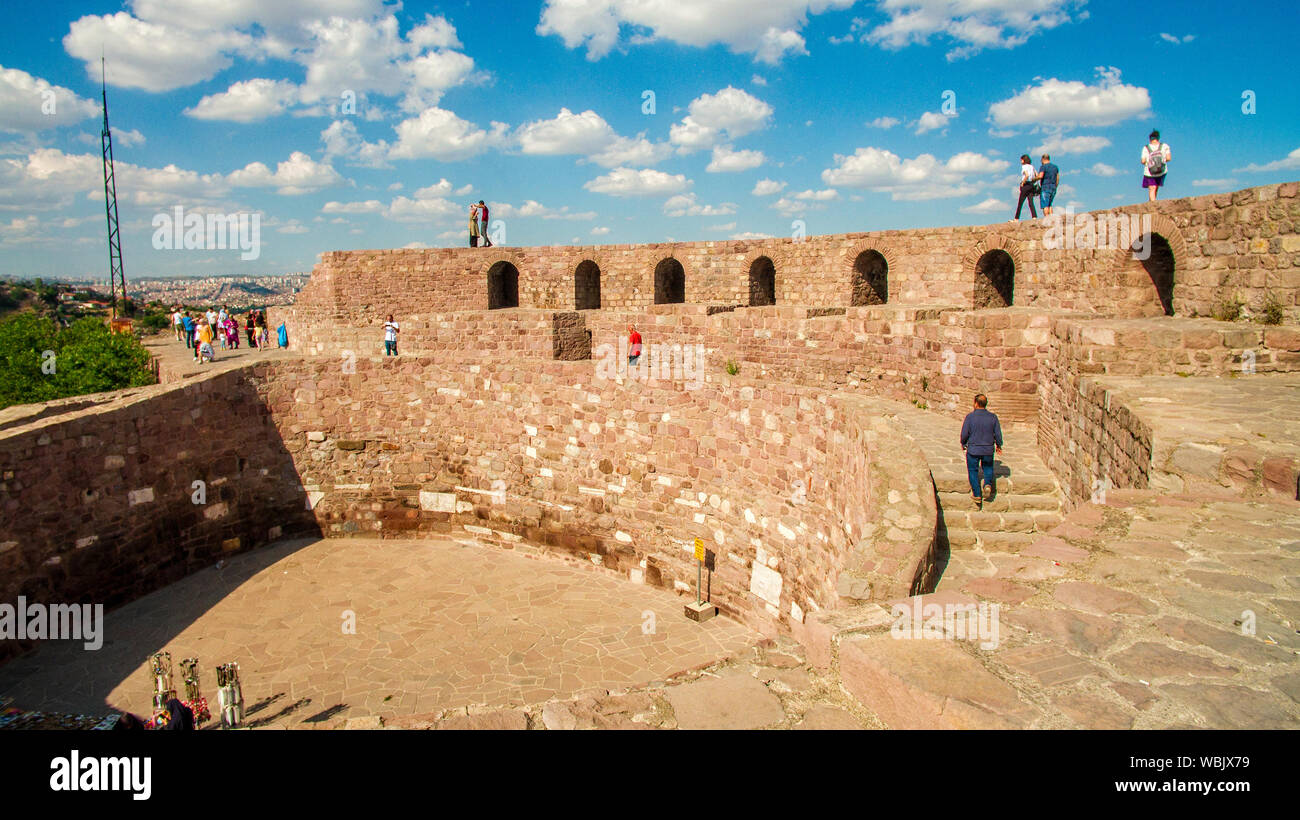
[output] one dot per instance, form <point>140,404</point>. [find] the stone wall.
<point>98,504</point>
<point>625,474</point>
<point>1243,245</point>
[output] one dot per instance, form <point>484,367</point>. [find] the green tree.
<point>86,358</point>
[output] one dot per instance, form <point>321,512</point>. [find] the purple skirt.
<point>1153,182</point>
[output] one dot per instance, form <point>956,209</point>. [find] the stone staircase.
<point>1025,507</point>
<point>1029,501</point>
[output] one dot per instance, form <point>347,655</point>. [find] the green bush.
<point>155,322</point>
<point>40,361</point>
<point>732,368</point>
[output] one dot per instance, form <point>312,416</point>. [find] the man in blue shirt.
<point>1049,174</point>
<point>981,435</point>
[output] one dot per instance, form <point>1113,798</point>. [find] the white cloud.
<point>767,187</point>
<point>767,30</point>
<point>729,226</point>
<point>921,178</point>
<point>532,208</point>
<point>932,120</point>
<point>587,134</point>
<point>599,231</point>
<point>688,205</point>
<point>299,174</point>
<point>757,80</point>
<point>1170,38</point>
<point>29,104</point>
<point>1057,144</point>
<point>370,206</point>
<point>731,111</point>
<point>341,139</point>
<point>974,24</point>
<point>726,160</point>
<point>150,56</point>
<point>1291,162</point>
<point>1101,169</point>
<point>246,101</point>
<point>293,226</point>
<point>646,182</point>
<point>750,235</point>
<point>988,206</point>
<point>1062,104</point>
<point>818,196</point>
<point>884,122</point>
<point>1214,183</point>
<point>440,134</point>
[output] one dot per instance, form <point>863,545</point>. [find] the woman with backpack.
<point>1155,163</point>
<point>1029,187</point>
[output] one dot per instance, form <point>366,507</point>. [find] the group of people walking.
<point>208,330</point>
<point>1042,181</point>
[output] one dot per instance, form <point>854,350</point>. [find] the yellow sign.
<point>699,549</point>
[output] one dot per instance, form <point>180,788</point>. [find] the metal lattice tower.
<point>116,274</point>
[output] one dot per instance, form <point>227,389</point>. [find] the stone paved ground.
<point>176,362</point>
<point>1243,429</point>
<point>1127,615</point>
<point>441,625</point>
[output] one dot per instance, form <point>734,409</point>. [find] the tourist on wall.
<point>282,335</point>
<point>231,330</point>
<point>473,225</point>
<point>1048,176</point>
<point>263,332</point>
<point>391,329</point>
<point>483,222</point>
<point>250,327</point>
<point>178,324</point>
<point>981,436</point>
<point>1155,164</point>
<point>633,346</point>
<point>188,323</point>
<point>1028,184</point>
<point>203,351</point>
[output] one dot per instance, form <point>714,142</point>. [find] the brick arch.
<point>993,242</point>
<point>778,264</point>
<point>514,258</point>
<point>849,258</point>
<point>1160,224</point>
<point>574,260</point>
<point>1121,259</point>
<point>654,257</point>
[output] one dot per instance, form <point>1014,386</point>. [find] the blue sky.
<point>363,124</point>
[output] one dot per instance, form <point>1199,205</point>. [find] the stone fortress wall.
<point>497,418</point>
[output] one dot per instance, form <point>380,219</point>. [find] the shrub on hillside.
<point>40,361</point>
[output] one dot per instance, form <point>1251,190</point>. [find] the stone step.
<point>963,538</point>
<point>1017,485</point>
<point>1002,502</point>
<point>1001,521</point>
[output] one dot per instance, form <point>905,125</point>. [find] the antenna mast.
<point>116,274</point>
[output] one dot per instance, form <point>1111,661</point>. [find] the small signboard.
<point>699,549</point>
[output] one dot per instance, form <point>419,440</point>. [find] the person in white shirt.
<point>391,329</point>
<point>1155,164</point>
<point>1027,177</point>
<point>178,324</point>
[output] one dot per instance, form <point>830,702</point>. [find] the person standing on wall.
<point>1028,186</point>
<point>981,435</point>
<point>483,218</point>
<point>178,323</point>
<point>1048,175</point>
<point>473,225</point>
<point>391,329</point>
<point>1155,162</point>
